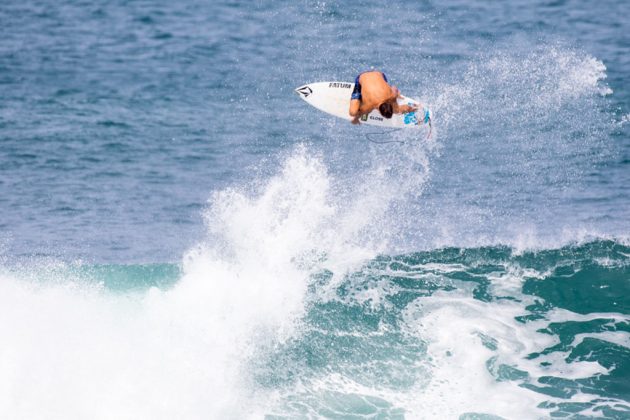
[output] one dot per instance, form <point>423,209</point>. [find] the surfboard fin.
<point>427,120</point>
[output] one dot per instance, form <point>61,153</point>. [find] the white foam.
<point>76,351</point>
<point>464,335</point>
<point>460,381</point>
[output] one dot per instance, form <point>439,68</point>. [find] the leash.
<point>380,133</point>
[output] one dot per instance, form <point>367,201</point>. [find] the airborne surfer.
<point>372,90</point>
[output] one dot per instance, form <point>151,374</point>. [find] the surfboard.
<point>334,99</point>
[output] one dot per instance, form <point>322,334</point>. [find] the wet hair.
<point>386,110</point>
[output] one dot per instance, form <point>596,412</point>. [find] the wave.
<point>427,334</point>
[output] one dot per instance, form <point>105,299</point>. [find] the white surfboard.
<point>334,99</point>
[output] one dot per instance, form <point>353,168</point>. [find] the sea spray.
<point>185,350</point>
<point>526,130</point>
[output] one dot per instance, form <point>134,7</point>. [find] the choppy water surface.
<point>182,237</point>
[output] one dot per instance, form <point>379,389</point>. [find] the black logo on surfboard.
<point>304,91</point>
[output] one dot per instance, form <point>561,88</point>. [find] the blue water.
<point>182,237</point>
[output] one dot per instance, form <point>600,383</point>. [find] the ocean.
<point>182,237</point>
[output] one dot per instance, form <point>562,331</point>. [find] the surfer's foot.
<point>355,121</point>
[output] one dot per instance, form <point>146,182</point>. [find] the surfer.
<point>371,91</point>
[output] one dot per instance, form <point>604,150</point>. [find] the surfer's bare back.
<point>371,91</point>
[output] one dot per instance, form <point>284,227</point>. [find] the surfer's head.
<point>386,110</point>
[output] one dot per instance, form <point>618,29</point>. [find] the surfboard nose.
<point>304,91</point>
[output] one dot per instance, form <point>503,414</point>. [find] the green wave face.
<point>118,278</point>
<point>468,333</point>
<point>447,327</point>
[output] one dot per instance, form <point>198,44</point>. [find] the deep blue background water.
<point>119,118</point>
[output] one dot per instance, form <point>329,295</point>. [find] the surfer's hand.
<point>409,108</point>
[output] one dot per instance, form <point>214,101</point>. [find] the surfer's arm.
<point>395,93</point>
<point>355,110</point>
<point>403,109</point>
<point>398,109</point>
<point>358,113</point>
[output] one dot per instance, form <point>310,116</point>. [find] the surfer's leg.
<point>356,92</point>
<point>355,99</point>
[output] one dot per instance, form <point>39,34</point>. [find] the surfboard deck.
<point>334,99</point>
